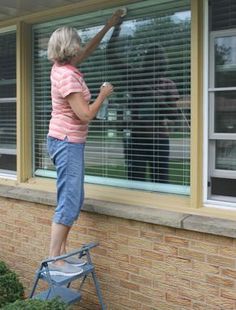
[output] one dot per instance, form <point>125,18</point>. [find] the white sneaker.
<point>75,261</point>
<point>64,270</point>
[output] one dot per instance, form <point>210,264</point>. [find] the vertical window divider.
<point>206,146</point>
<point>24,118</point>
<point>196,161</point>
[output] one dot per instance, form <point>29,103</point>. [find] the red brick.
<point>130,285</point>
<point>177,300</point>
<point>219,281</point>
<point>179,242</point>
<point>221,261</point>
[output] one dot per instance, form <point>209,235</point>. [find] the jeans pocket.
<point>51,147</point>
<point>75,159</point>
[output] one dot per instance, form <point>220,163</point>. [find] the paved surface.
<point>179,149</point>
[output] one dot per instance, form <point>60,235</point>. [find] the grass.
<point>178,172</point>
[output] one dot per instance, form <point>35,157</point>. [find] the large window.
<point>222,101</point>
<point>8,103</point>
<point>144,142</point>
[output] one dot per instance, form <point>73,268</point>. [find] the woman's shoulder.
<point>66,71</point>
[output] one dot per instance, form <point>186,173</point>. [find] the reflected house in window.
<point>225,112</point>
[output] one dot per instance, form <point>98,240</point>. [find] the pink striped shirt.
<point>66,79</point>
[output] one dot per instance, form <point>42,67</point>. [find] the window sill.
<point>199,220</point>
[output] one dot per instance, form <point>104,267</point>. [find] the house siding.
<point>139,265</point>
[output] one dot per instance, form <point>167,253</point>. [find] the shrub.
<point>3,268</point>
<point>11,288</point>
<point>35,304</point>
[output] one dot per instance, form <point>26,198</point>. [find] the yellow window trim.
<point>23,95</point>
<point>116,195</point>
<point>196,163</point>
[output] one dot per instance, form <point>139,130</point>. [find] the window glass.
<point>223,189</point>
<point>144,142</point>
<point>222,14</point>
<point>7,102</point>
<point>225,112</point>
<point>226,154</point>
<point>225,61</point>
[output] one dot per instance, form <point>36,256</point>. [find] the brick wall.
<point>140,266</point>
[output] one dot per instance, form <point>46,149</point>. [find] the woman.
<point>71,113</point>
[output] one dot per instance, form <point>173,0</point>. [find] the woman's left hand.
<point>106,89</point>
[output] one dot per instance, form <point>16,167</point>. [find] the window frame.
<point>127,184</point>
<point>211,137</point>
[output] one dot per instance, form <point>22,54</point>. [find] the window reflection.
<point>225,61</point>
<point>226,154</point>
<point>162,133</point>
<point>225,112</point>
<point>149,113</point>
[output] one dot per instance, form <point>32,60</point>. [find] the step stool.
<point>59,286</point>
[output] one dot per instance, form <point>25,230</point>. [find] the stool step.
<point>67,295</point>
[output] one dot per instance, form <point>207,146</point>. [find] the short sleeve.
<point>70,83</point>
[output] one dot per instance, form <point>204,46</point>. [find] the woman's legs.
<point>69,161</point>
<point>59,235</point>
<point>64,243</point>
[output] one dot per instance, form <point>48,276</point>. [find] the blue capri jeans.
<point>68,159</point>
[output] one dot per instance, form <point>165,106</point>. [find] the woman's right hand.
<point>106,89</point>
<point>116,17</point>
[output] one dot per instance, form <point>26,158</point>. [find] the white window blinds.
<point>144,143</point>
<point>8,103</point>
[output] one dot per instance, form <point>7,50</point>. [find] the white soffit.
<point>14,8</point>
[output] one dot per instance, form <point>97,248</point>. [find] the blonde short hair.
<point>63,45</point>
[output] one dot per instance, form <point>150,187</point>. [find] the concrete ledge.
<point>211,225</point>
<point>204,224</point>
<point>142,214</point>
<point>36,196</point>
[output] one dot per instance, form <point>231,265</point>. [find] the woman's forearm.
<point>95,106</point>
<point>81,108</point>
<point>84,111</point>
<point>95,41</point>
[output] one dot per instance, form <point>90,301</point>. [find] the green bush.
<point>11,288</point>
<point>34,304</point>
<point>3,268</point>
